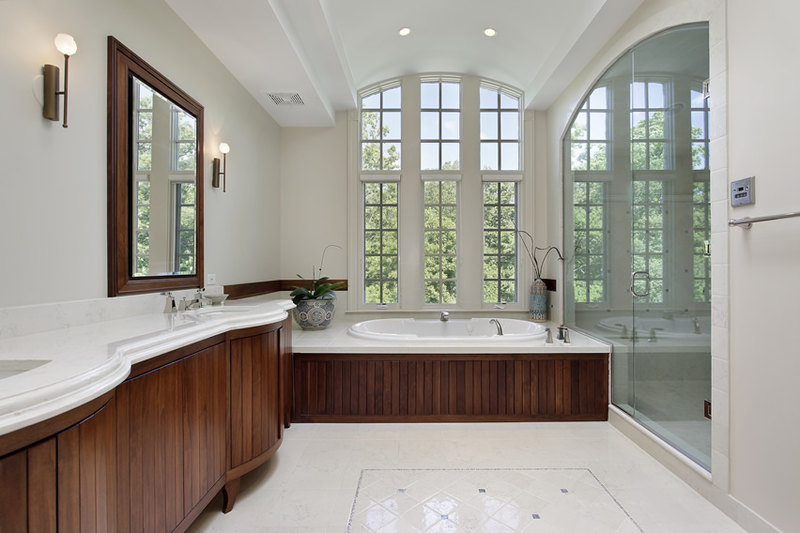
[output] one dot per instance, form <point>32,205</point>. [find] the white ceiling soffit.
<point>255,40</point>
<point>325,50</point>
<point>576,50</point>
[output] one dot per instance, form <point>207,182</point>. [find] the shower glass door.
<point>636,230</point>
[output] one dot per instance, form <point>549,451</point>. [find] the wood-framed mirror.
<point>155,179</point>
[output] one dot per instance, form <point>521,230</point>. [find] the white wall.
<point>764,299</point>
<point>53,180</point>
<point>314,199</point>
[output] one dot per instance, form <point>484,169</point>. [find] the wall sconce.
<point>67,46</point>
<point>224,149</point>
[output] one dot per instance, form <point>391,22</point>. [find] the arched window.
<point>421,179</point>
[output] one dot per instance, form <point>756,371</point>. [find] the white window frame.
<point>411,236</point>
<point>669,128</point>
<point>440,141</point>
<point>433,178</point>
<point>499,141</point>
<point>588,278</point>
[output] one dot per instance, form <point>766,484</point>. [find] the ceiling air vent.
<point>286,98</point>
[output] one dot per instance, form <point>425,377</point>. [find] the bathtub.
<point>453,330</point>
<point>683,327</point>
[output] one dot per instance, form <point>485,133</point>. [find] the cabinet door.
<point>256,409</point>
<point>28,489</point>
<point>150,451</point>
<point>87,474</point>
<point>65,483</point>
<point>204,419</point>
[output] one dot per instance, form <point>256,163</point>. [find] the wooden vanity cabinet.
<point>66,482</point>
<point>171,431</point>
<point>256,402</point>
<point>151,454</point>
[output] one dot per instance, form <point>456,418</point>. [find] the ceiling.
<point>325,50</point>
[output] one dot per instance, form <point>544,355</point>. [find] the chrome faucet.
<point>496,322</point>
<point>197,302</point>
<point>563,334</point>
<point>445,316</point>
<point>170,306</point>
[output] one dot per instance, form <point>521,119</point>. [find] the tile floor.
<point>428,477</point>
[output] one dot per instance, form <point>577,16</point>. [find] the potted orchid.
<point>314,303</point>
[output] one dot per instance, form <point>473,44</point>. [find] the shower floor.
<point>674,411</point>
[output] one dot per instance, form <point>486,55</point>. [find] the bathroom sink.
<point>222,311</point>
<point>12,367</point>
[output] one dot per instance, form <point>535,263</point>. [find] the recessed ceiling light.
<point>404,31</point>
<point>489,32</point>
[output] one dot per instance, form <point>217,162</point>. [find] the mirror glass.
<point>155,179</point>
<point>163,185</point>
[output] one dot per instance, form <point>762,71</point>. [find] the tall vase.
<point>538,301</point>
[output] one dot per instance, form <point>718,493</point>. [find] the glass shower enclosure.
<point>636,232</point>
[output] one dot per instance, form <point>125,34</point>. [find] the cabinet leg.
<point>229,493</point>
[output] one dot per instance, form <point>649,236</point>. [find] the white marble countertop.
<point>336,339</point>
<point>86,361</point>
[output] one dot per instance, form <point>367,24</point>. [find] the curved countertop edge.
<point>42,403</point>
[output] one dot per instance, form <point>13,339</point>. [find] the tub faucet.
<point>445,316</point>
<point>652,336</point>
<point>497,323</point>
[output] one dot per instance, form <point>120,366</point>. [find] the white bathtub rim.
<point>359,330</point>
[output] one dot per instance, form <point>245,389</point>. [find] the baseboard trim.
<point>688,471</point>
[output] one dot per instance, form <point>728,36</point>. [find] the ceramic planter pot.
<point>314,314</point>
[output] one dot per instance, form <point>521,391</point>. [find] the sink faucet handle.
<point>170,304</point>
<point>549,338</point>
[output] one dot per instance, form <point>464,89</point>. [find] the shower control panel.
<point>743,191</point>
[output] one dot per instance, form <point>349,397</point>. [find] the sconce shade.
<point>215,170</point>
<point>66,44</point>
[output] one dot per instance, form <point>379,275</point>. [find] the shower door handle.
<point>646,275</point>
